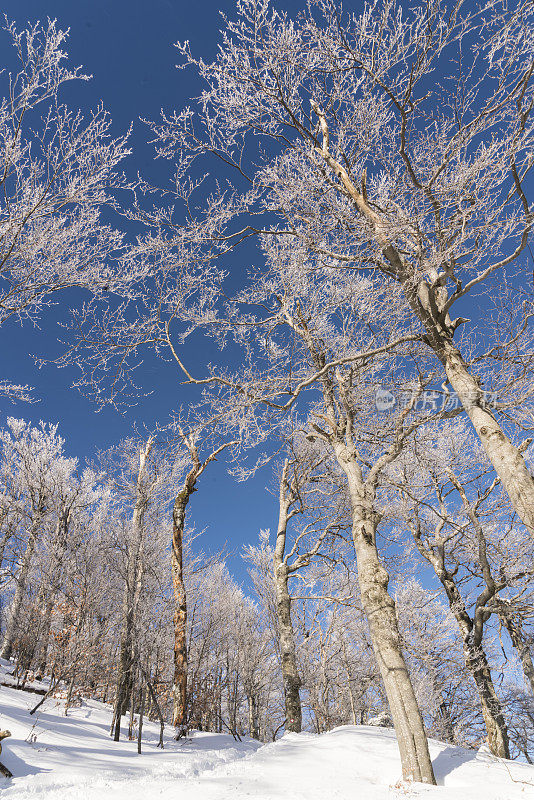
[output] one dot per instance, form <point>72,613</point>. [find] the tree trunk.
<point>253,715</point>
<point>379,608</point>
<point>69,694</point>
<point>290,674</point>
<point>446,726</point>
<point>286,634</point>
<point>141,714</point>
<point>179,687</point>
<point>477,664</point>
<point>45,640</point>
<point>507,460</point>
<point>350,689</point>
<point>491,707</point>
<point>156,705</point>
<point>51,588</point>
<point>131,725</point>
<point>124,678</point>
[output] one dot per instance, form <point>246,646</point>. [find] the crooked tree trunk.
<point>16,606</point>
<point>477,664</point>
<point>179,686</point>
<point>379,608</point>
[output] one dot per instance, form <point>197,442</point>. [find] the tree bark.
<point>156,705</point>
<point>286,634</point>
<point>253,727</point>
<point>45,637</point>
<point>288,656</point>
<point>379,608</point>
<point>350,690</point>
<point>494,720</point>
<point>141,714</point>
<point>179,686</point>
<point>507,460</point>
<point>52,587</point>
<point>445,718</point>
<point>475,660</point>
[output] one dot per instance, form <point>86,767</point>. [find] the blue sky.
<point>127,45</point>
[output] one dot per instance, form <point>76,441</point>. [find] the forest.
<point>332,258</point>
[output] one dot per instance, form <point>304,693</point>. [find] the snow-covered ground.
<point>65,758</point>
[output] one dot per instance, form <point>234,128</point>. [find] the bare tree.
<point>452,512</point>
<point>143,492</point>
<point>371,170</point>
<point>57,171</point>
<point>35,458</point>
<point>199,446</point>
<point>299,494</point>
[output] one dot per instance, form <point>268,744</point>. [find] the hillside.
<point>56,757</point>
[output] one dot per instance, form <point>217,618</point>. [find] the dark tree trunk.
<point>290,674</point>
<point>179,687</point>
<point>476,662</point>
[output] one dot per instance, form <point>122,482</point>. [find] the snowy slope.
<point>73,757</point>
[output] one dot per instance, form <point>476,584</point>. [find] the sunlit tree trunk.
<point>379,608</point>
<point>290,674</point>
<point>179,685</point>
<point>507,460</point>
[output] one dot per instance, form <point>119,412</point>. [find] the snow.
<point>73,757</point>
